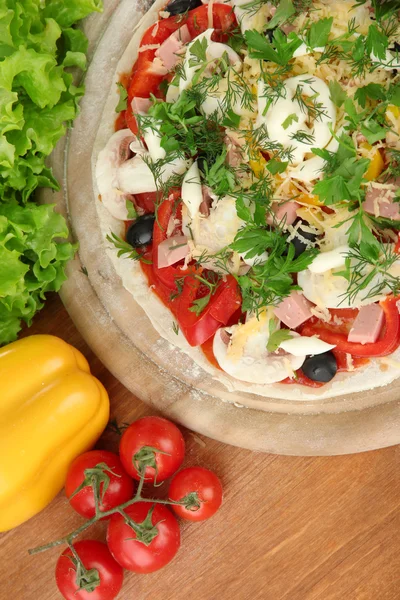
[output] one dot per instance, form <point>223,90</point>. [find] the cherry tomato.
<point>106,471</point>
<point>153,444</point>
<point>160,534</point>
<point>93,555</point>
<point>200,481</point>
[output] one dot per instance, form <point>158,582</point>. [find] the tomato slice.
<point>222,305</point>
<point>397,245</point>
<point>223,19</point>
<point>302,380</point>
<point>147,201</point>
<point>341,361</point>
<point>167,209</point>
<point>388,342</point>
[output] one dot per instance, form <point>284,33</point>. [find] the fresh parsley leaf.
<point>292,118</point>
<point>394,94</point>
<point>318,34</point>
<point>200,304</point>
<point>243,211</point>
<point>373,131</point>
<point>231,119</point>
<point>131,210</point>
<point>383,9</point>
<point>284,11</point>
<point>332,190</point>
<point>261,49</point>
<point>373,91</point>
<point>123,98</point>
<point>338,95</point>
<point>277,337</point>
<point>344,184</point>
<point>198,52</point>
<point>376,42</point>
<point>275,166</point>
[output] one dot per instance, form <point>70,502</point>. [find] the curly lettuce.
<point>38,100</point>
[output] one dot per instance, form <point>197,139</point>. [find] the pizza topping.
<point>172,250</point>
<point>367,325</point>
<point>173,47</point>
<point>294,310</point>
<point>177,7</point>
<point>192,194</point>
<point>114,194</point>
<point>140,233</point>
<point>246,356</point>
<point>380,200</point>
<point>140,106</point>
<point>299,345</point>
<point>284,212</point>
<point>322,367</point>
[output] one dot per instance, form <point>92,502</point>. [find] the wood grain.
<point>291,528</point>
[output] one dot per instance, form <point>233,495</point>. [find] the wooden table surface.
<point>290,528</point>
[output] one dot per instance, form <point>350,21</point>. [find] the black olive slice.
<point>299,245</point>
<point>321,367</point>
<point>140,233</point>
<point>177,7</point>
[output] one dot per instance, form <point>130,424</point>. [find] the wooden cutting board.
<point>122,336</point>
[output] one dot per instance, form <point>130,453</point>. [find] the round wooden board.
<point>122,336</point>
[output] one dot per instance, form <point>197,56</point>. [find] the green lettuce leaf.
<point>32,261</point>
<point>39,97</point>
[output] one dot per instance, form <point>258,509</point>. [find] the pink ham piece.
<point>170,49</point>
<point>293,310</point>
<point>172,250</point>
<point>387,208</point>
<point>234,157</point>
<point>140,106</point>
<point>205,206</point>
<point>367,325</point>
<point>284,211</point>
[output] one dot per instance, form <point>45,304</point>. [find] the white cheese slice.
<point>325,261</point>
<point>303,345</point>
<point>192,195</point>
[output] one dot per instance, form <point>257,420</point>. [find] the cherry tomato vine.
<point>143,534</point>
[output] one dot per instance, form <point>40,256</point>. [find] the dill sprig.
<point>367,263</point>
<point>125,249</point>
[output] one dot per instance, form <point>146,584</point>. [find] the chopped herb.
<point>338,95</point>
<point>318,34</point>
<point>277,336</point>
<point>292,118</point>
<point>125,249</point>
<point>131,210</point>
<point>275,166</point>
<point>123,98</point>
<point>284,11</point>
<point>280,52</point>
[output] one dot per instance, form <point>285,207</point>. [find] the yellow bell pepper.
<point>377,163</point>
<point>258,166</point>
<point>51,410</point>
<point>309,199</point>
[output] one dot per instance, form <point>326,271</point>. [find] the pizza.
<point>247,184</point>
